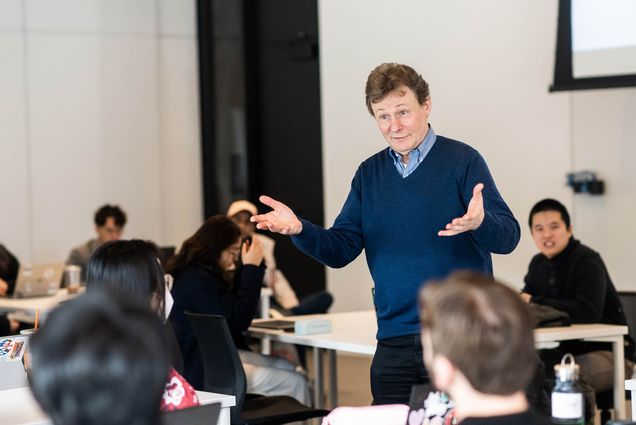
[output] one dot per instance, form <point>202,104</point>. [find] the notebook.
<point>284,325</point>
<point>38,280</point>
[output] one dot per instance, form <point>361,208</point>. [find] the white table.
<point>595,333</point>
<point>354,332</point>
<point>18,407</point>
<point>24,308</point>
<point>266,294</point>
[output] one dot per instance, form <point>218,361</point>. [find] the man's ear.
<point>443,372</point>
<point>428,105</point>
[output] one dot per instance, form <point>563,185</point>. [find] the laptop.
<point>12,371</point>
<point>207,414</point>
<point>38,280</point>
<point>427,405</point>
<point>166,253</point>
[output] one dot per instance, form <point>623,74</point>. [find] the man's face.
<point>110,231</point>
<point>549,232</point>
<point>402,120</point>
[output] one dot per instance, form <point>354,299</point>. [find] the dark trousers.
<point>397,366</point>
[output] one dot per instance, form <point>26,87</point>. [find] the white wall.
<point>99,104</point>
<point>489,64</point>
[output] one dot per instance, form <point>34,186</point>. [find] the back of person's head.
<point>550,205</point>
<point>131,267</point>
<point>240,206</point>
<point>99,360</point>
<point>389,77</point>
<point>206,245</point>
<point>483,328</point>
<point>105,211</point>
<point>240,212</point>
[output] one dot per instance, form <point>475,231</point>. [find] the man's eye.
<point>403,113</point>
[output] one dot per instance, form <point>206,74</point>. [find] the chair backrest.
<point>176,358</point>
<point>628,300</point>
<point>200,415</point>
<point>222,365</point>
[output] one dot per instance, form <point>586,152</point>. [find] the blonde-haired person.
<point>478,341</point>
<point>478,348</point>
<point>284,295</point>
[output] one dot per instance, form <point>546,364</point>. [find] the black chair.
<point>224,374</point>
<point>176,358</point>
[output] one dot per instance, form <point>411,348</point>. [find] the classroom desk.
<point>354,332</point>
<point>24,308</point>
<point>18,407</point>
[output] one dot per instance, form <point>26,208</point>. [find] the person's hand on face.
<point>280,220</point>
<point>472,219</point>
<point>252,252</point>
<point>4,288</point>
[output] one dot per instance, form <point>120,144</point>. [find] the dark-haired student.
<point>210,279</point>
<point>571,277</point>
<point>91,367</point>
<point>109,226</point>
<point>132,268</point>
<point>9,267</point>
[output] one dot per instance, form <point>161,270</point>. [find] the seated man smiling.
<point>571,277</point>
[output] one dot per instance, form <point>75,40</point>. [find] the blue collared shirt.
<point>416,156</point>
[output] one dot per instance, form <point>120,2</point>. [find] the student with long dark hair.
<point>132,268</point>
<point>210,279</point>
<point>98,360</point>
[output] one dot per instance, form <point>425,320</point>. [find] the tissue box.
<point>312,326</point>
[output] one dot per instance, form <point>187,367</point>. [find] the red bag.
<point>178,393</point>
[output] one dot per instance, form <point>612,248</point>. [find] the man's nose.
<point>396,124</point>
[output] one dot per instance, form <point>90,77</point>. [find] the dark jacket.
<point>9,267</point>
<point>200,289</point>
<point>576,281</point>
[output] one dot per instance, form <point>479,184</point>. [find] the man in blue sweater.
<point>421,208</point>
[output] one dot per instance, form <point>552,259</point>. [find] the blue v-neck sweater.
<point>396,220</point>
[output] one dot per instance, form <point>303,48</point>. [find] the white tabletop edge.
<point>209,398</point>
